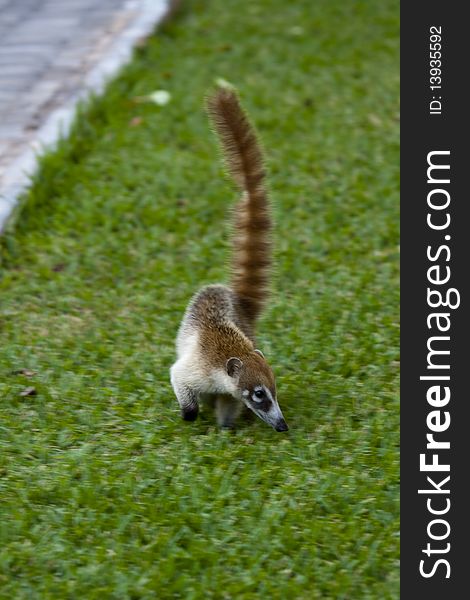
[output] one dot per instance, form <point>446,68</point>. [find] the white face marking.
<point>273,415</point>
<point>258,388</point>
<point>267,394</point>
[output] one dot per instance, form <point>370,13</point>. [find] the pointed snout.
<point>272,416</point>
<point>281,425</point>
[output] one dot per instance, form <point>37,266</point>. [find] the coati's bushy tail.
<point>252,220</point>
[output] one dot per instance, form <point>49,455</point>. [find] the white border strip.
<point>17,176</point>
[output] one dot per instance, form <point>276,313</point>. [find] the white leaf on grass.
<point>160,97</point>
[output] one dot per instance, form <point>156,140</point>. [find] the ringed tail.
<point>251,258</point>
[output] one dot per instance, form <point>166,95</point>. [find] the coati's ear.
<point>233,366</point>
<point>259,352</point>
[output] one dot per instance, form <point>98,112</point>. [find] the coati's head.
<point>256,387</point>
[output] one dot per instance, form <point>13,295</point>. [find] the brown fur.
<point>222,335</point>
<point>252,225</point>
<point>256,371</point>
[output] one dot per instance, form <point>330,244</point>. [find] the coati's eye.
<point>261,397</point>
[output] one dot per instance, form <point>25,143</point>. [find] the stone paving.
<point>51,53</point>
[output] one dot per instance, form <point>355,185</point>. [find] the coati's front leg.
<point>227,410</point>
<point>187,399</point>
<point>186,394</point>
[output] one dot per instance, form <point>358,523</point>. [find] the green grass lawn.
<point>104,491</point>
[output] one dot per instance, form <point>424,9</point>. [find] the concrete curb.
<point>17,176</point>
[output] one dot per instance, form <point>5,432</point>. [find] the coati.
<point>215,345</point>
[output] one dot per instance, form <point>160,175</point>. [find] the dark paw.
<point>190,414</point>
